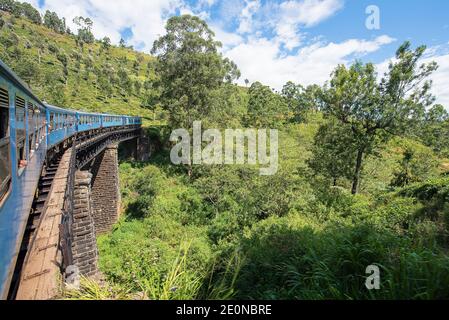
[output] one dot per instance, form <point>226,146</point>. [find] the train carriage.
<point>22,154</point>
<point>61,124</point>
<point>28,130</point>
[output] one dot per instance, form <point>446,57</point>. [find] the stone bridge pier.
<point>96,207</point>
<point>97,200</point>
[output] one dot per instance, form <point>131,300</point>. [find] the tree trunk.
<point>358,169</point>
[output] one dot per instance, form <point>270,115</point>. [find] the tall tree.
<point>31,13</point>
<point>52,21</point>
<point>434,130</point>
<point>300,100</point>
<point>265,108</point>
<point>377,111</point>
<point>106,43</point>
<point>334,152</point>
<point>84,29</point>
<point>189,66</point>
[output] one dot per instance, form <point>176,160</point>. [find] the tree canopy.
<point>189,66</point>
<point>375,111</point>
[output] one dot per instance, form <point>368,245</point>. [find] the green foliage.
<point>301,100</point>
<point>85,34</point>
<point>265,108</point>
<point>53,22</point>
<point>253,242</point>
<point>434,130</point>
<point>334,152</point>
<point>376,111</point>
<point>93,290</point>
<point>189,67</point>
<point>417,165</point>
<point>293,259</point>
<point>19,9</point>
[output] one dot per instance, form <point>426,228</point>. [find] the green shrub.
<point>283,261</point>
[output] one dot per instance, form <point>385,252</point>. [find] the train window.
<point>42,125</point>
<point>20,131</point>
<point>52,120</point>
<point>57,121</point>
<point>5,164</point>
<point>36,112</point>
<point>31,127</point>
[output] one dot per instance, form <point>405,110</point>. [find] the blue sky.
<point>274,41</point>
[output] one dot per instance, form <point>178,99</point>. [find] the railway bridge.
<point>77,199</point>
<point>59,188</point>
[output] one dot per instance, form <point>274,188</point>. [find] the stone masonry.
<point>96,208</point>
<point>105,190</point>
<point>84,246</point>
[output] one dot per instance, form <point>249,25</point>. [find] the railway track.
<point>37,210</point>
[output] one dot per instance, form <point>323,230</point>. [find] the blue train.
<point>28,130</point>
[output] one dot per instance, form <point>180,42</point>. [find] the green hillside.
<point>92,77</point>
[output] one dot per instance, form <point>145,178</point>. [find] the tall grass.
<point>179,284</point>
<point>93,290</point>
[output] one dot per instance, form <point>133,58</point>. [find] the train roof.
<point>52,107</point>
<point>12,77</point>
<point>55,108</point>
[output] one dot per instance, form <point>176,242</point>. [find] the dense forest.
<point>363,169</point>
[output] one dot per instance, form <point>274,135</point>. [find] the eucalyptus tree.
<point>106,43</point>
<point>373,110</point>
<point>190,67</point>
<point>265,108</point>
<point>85,29</point>
<point>333,152</point>
<point>52,21</point>
<point>434,130</point>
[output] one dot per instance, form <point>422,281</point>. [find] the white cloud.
<point>260,59</point>
<point>285,19</point>
<point>228,39</point>
<point>441,79</point>
<point>307,13</point>
<point>145,18</point>
<point>246,16</point>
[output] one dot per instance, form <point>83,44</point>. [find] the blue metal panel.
<point>16,206</point>
<point>61,127</point>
